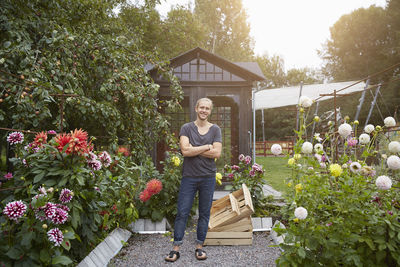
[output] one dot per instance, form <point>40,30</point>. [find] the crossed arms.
<point>209,151</point>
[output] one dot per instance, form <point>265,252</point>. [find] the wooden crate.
<point>231,208</point>
<point>228,238</point>
<point>230,221</point>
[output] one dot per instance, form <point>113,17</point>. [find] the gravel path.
<point>150,250</point>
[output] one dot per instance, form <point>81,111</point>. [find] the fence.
<point>263,148</point>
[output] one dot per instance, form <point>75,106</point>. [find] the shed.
<point>228,84</point>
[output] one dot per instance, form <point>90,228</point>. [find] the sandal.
<point>199,254</point>
<point>171,256</point>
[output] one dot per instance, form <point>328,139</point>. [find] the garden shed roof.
<point>288,96</point>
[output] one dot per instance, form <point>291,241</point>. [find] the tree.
<point>358,45</point>
<point>305,75</point>
<point>273,69</point>
<point>228,32</point>
<point>182,31</point>
<point>81,48</point>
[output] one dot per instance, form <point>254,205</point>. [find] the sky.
<point>292,29</point>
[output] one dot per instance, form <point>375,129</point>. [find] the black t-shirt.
<point>199,166</point>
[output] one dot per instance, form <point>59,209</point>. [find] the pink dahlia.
<point>352,141</point>
<point>51,132</point>
<point>94,164</point>
<point>15,138</point>
<point>49,210</point>
<point>60,216</point>
<point>66,195</point>
<point>8,176</point>
<point>247,159</point>
<point>252,173</point>
<point>257,167</point>
<point>15,210</point>
<point>63,207</point>
<point>241,157</point>
<point>235,167</point>
<point>105,158</point>
<point>56,236</point>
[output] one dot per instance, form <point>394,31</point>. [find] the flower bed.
<point>63,198</point>
<point>343,202</point>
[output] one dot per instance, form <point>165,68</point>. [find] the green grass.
<point>276,171</point>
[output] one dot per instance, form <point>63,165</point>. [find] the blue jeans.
<point>187,192</point>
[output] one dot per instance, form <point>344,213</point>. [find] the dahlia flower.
<point>393,162</point>
<point>300,213</point>
<point>369,128</point>
<point>154,186</point>
<point>257,167</point>
<point>42,190</point>
<point>318,157</point>
<point>247,159</point>
<point>51,132</point>
<point>218,177</point>
<point>8,175</point>
<point>352,142</point>
<point>297,156</point>
<point>15,138</point>
<point>291,161</point>
<point>60,216</point>
<point>383,182</point>
<point>124,151</point>
<point>364,138</point>
<point>241,157</point>
<point>66,195</point>
<point>91,156</point>
<point>252,173</point>
<point>344,130</point>
<point>307,148</point>
<point>145,196</point>
<point>235,167</point>
<point>15,210</point>
<point>94,164</point>
<point>56,236</point>
<point>318,147</point>
<point>231,175</point>
<point>176,160</point>
<point>49,210</point>
<point>389,122</point>
<point>276,149</point>
<point>335,169</point>
<point>62,140</point>
<point>355,167</point>
<point>394,147</point>
<point>305,101</point>
<point>40,139</point>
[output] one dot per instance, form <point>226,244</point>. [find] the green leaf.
<point>14,253</point>
<point>80,180</point>
<point>38,177</point>
<point>44,255</point>
<point>64,260</point>
<point>301,252</point>
<point>66,244</point>
<point>27,239</point>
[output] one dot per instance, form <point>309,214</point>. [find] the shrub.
<point>67,197</point>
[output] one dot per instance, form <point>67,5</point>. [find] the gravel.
<point>150,250</point>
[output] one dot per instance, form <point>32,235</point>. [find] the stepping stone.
<point>261,224</point>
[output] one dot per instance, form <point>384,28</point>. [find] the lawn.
<point>276,171</point>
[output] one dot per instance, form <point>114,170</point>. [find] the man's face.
<point>203,110</point>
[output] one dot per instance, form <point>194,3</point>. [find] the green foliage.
<point>350,221</point>
<point>361,43</point>
<point>80,48</point>
<point>252,176</point>
<point>228,33</point>
<point>163,205</point>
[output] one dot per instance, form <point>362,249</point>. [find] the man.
<point>200,143</point>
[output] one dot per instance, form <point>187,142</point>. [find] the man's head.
<point>203,108</point>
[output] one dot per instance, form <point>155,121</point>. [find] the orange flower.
<point>124,151</point>
<point>81,135</point>
<point>40,139</point>
<point>78,142</point>
<point>154,186</point>
<point>145,195</point>
<point>63,140</point>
